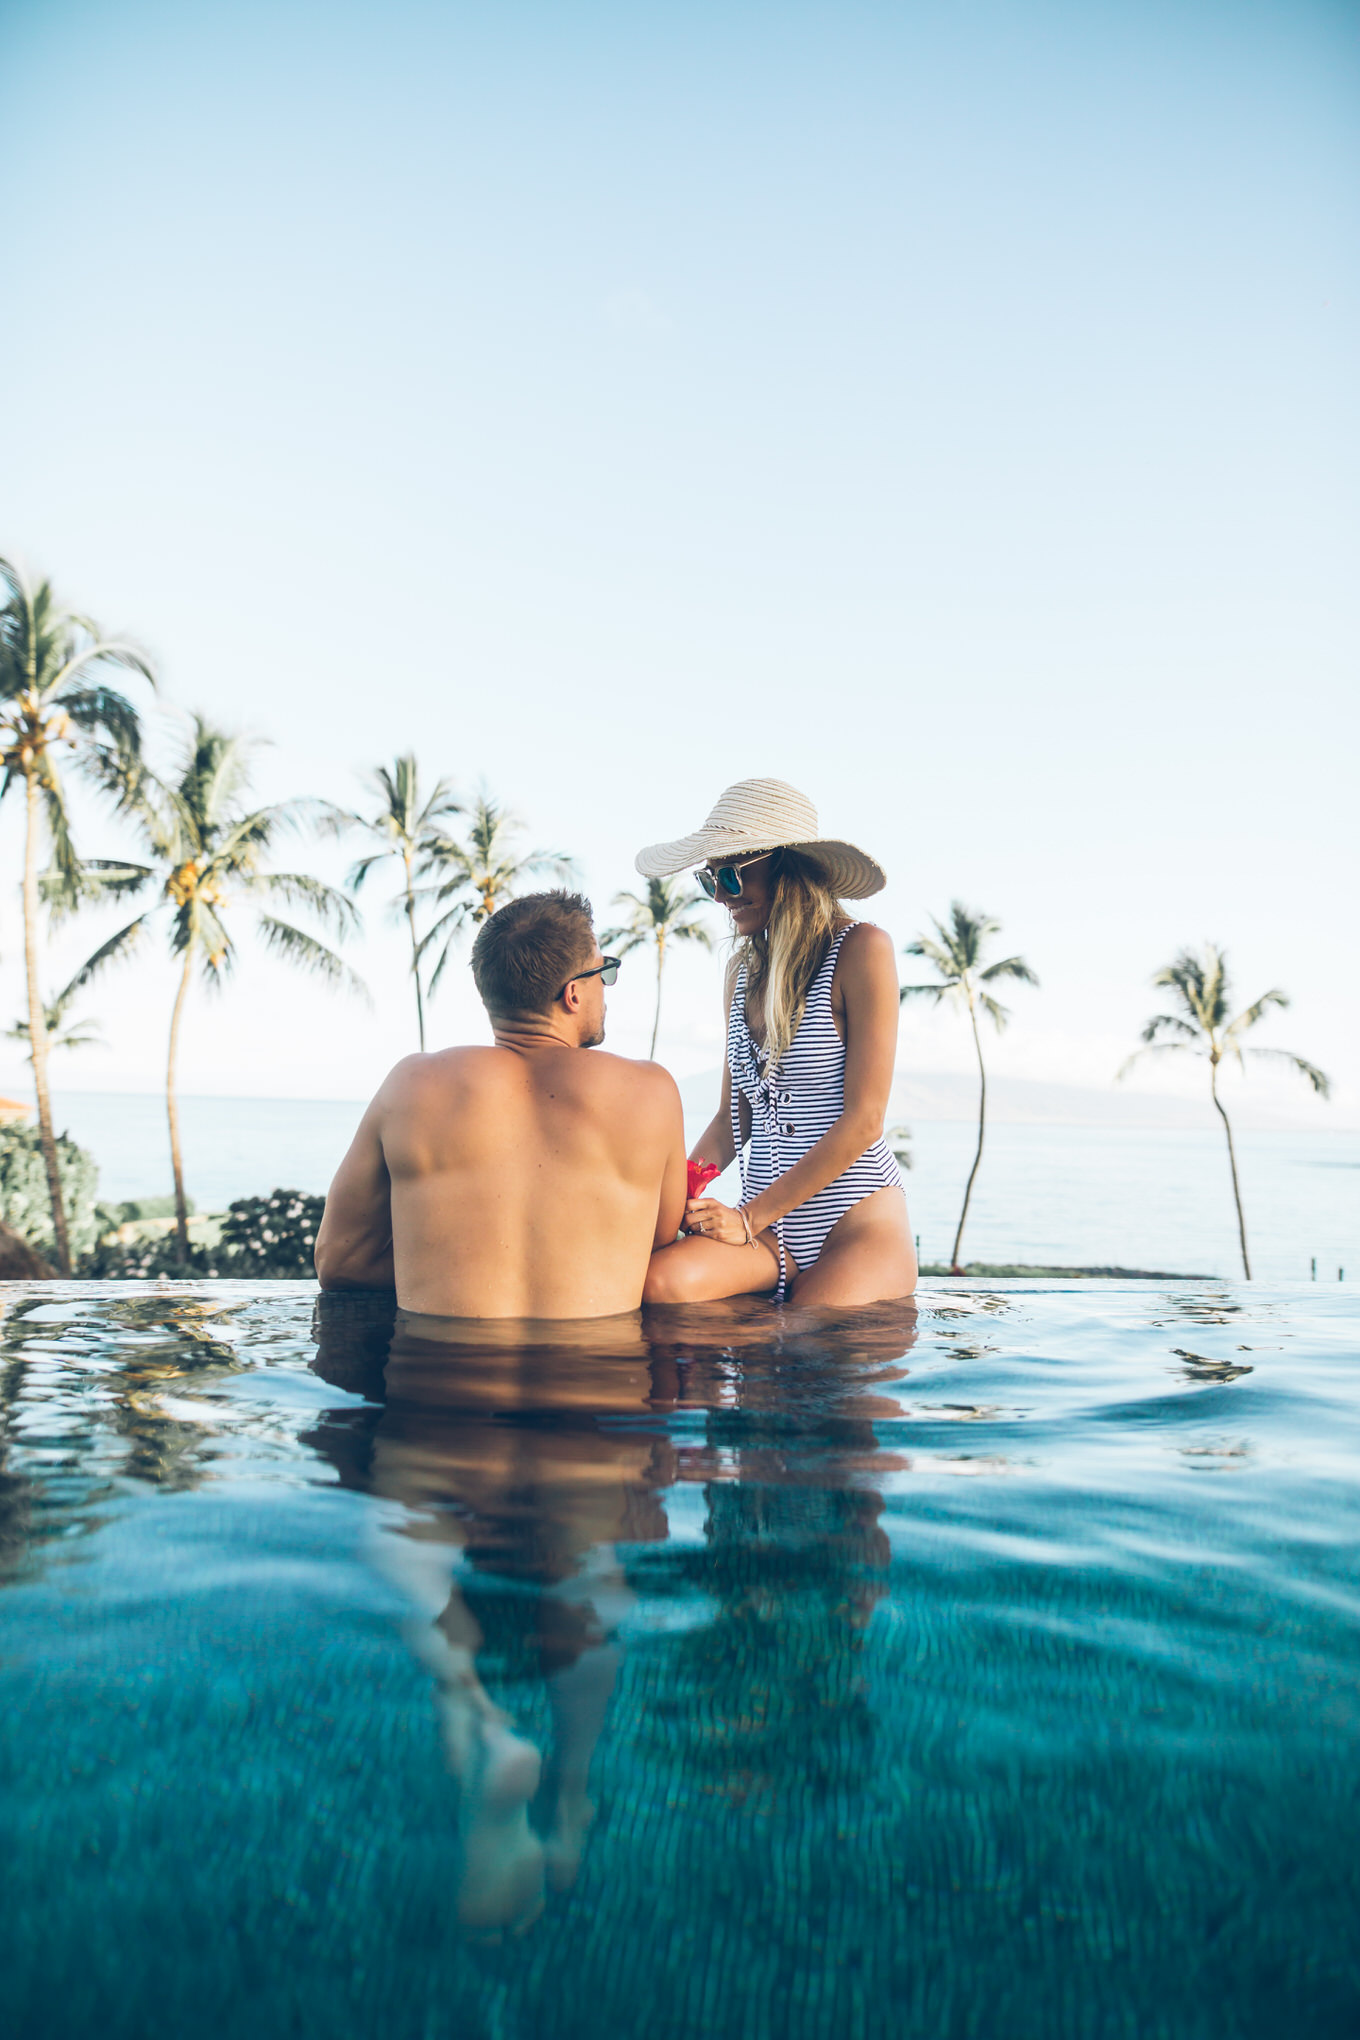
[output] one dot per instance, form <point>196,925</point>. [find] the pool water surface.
<point>987,1666</point>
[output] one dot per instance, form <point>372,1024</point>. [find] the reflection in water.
<point>526,1456</point>
<point>101,1417</point>
<point>1203,1367</point>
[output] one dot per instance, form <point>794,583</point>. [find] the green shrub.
<point>134,1260</point>
<point>24,1202</point>
<point>134,1209</point>
<point>273,1235</point>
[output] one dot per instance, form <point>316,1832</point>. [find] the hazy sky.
<point>949,408</point>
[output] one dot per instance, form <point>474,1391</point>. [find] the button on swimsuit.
<point>792,1106</point>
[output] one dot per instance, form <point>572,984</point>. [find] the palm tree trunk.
<point>954,1267</point>
<point>660,966</point>
<point>415,955</point>
<point>37,1029</point>
<point>172,1114</point>
<point>1232,1164</point>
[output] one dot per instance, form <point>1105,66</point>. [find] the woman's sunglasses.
<point>727,877</point>
<point>608,971</point>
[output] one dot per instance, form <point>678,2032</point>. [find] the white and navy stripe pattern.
<point>791,1108</point>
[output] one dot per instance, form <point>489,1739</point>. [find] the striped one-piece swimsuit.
<point>791,1108</point>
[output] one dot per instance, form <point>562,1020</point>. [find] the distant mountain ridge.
<point>1023,1101</point>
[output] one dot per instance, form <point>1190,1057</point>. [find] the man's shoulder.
<point>625,1074</point>
<point>439,1070</point>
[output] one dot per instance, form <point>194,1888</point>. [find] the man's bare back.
<point>526,1180</point>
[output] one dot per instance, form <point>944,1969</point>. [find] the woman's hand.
<point>715,1221</point>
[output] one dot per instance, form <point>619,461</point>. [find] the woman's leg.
<point>867,1257</point>
<point>696,1270</point>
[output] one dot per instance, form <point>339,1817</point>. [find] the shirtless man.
<point>524,1180</point>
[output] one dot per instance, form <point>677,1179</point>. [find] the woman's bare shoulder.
<point>866,951</point>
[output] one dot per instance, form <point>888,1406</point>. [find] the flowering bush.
<point>274,1235</point>
<point>259,1236</point>
<point>24,1203</point>
<point>133,1260</point>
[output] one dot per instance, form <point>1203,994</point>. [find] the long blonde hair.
<point>785,957</point>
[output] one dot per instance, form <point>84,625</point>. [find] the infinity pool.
<point>984,1668</point>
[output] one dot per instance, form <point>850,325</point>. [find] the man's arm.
<point>675,1177</point>
<point>354,1243</point>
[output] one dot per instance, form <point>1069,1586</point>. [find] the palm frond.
<point>1156,1048</point>
<point>103,711</point>
<point>1171,1023</point>
<point>240,843</point>
<point>81,1033</point>
<point>998,1014</point>
<point>622,942</point>
<point>1319,1079</point>
<point>1202,983</point>
<point>14,582</point>
<point>213,776</point>
<point>446,930</point>
<point>668,908</point>
<point>334,822</point>
<point>332,908</point>
<point>359,871</point>
<point>99,651</point>
<point>152,807</point>
<point>486,870</point>
<point>1252,1014</point>
<point>63,876</point>
<point>1009,967</point>
<point>200,926</point>
<point>937,953</point>
<point>305,953</point>
<point>935,992</point>
<point>96,880</point>
<point>116,771</point>
<point>116,950</point>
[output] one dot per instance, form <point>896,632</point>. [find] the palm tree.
<point>207,850</point>
<point>79,1034</point>
<point>53,692</point>
<point>1202,1027</point>
<point>667,913</point>
<point>472,878</point>
<point>956,952</point>
<point>402,827</point>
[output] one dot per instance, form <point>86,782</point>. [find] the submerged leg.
<point>500,1887</point>
<point>580,1663</point>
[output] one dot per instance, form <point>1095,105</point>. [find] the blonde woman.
<point>811,1002</point>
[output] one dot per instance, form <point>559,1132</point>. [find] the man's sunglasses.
<point>727,877</point>
<point>608,970</point>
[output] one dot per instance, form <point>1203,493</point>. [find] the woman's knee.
<point>665,1279</point>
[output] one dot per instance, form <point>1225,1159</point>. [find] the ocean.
<point>1054,1196</point>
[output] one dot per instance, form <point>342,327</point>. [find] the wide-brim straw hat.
<point>765,814</point>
